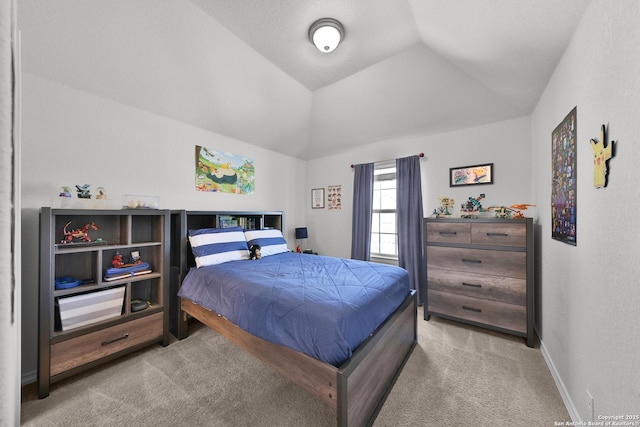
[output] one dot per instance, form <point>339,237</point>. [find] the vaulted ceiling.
<point>246,69</point>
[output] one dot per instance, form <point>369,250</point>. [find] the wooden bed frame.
<point>356,390</point>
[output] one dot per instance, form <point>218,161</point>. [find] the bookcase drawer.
<point>497,314</point>
<point>84,349</point>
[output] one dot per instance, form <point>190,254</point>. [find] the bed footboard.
<point>365,380</point>
<point>357,389</point>
<point>315,376</point>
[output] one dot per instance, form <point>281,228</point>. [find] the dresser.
<point>480,272</point>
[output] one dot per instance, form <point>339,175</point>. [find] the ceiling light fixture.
<point>326,34</point>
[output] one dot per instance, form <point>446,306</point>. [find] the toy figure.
<point>65,192</point>
<point>83,191</point>
<point>507,212</point>
<point>601,155</point>
<point>473,205</point>
<point>254,252</point>
<point>519,207</point>
<point>446,203</point>
<point>117,260</point>
<point>102,193</point>
<point>500,211</point>
<point>79,233</point>
<point>120,261</point>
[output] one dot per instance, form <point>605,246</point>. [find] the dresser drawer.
<point>84,349</point>
<point>507,316</point>
<point>448,232</point>
<point>479,261</point>
<point>496,288</point>
<point>505,234</point>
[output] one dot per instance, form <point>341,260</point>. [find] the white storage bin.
<point>82,310</point>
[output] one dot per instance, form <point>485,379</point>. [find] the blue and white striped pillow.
<point>270,240</point>
<point>212,246</point>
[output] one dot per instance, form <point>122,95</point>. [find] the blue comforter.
<point>322,306</point>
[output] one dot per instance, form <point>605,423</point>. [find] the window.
<point>384,232</point>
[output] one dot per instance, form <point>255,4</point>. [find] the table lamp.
<point>301,234</point>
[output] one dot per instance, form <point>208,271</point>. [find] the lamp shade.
<point>301,233</point>
<point>326,34</point>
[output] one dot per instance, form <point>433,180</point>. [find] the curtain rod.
<point>420,155</point>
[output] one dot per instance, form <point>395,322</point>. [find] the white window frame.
<point>384,171</point>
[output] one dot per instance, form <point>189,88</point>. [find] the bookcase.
<point>84,317</point>
<point>182,258</point>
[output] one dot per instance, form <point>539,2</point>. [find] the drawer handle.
<point>125,336</point>
<point>497,234</point>
<point>446,233</point>
<point>477,310</point>
<point>472,261</point>
<point>472,285</point>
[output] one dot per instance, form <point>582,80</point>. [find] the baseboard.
<point>29,377</point>
<point>568,403</point>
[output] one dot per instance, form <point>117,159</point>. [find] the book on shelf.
<point>227,221</point>
<point>126,275</point>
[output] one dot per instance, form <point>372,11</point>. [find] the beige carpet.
<point>457,376</point>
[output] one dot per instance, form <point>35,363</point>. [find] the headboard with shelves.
<point>182,258</point>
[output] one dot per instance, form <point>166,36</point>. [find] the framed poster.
<point>471,175</point>
<point>334,197</point>
<point>222,172</point>
<point>563,180</point>
<point>317,198</point>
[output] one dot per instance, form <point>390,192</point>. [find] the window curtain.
<point>411,254</point>
<point>362,211</point>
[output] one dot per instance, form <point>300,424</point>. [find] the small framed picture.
<point>471,175</point>
<point>317,198</point>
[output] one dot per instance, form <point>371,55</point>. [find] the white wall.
<point>589,295</point>
<point>505,144</point>
<point>9,209</point>
<point>72,137</point>
<point>168,57</point>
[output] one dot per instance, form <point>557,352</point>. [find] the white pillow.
<point>270,240</point>
<point>212,246</point>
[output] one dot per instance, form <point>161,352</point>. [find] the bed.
<point>340,329</point>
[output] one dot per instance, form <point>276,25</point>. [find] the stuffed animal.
<point>254,252</point>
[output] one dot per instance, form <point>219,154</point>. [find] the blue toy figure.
<point>83,191</point>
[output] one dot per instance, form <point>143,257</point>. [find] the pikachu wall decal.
<point>601,156</point>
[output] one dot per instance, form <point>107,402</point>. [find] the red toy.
<point>518,208</point>
<point>117,261</point>
<point>79,233</point>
